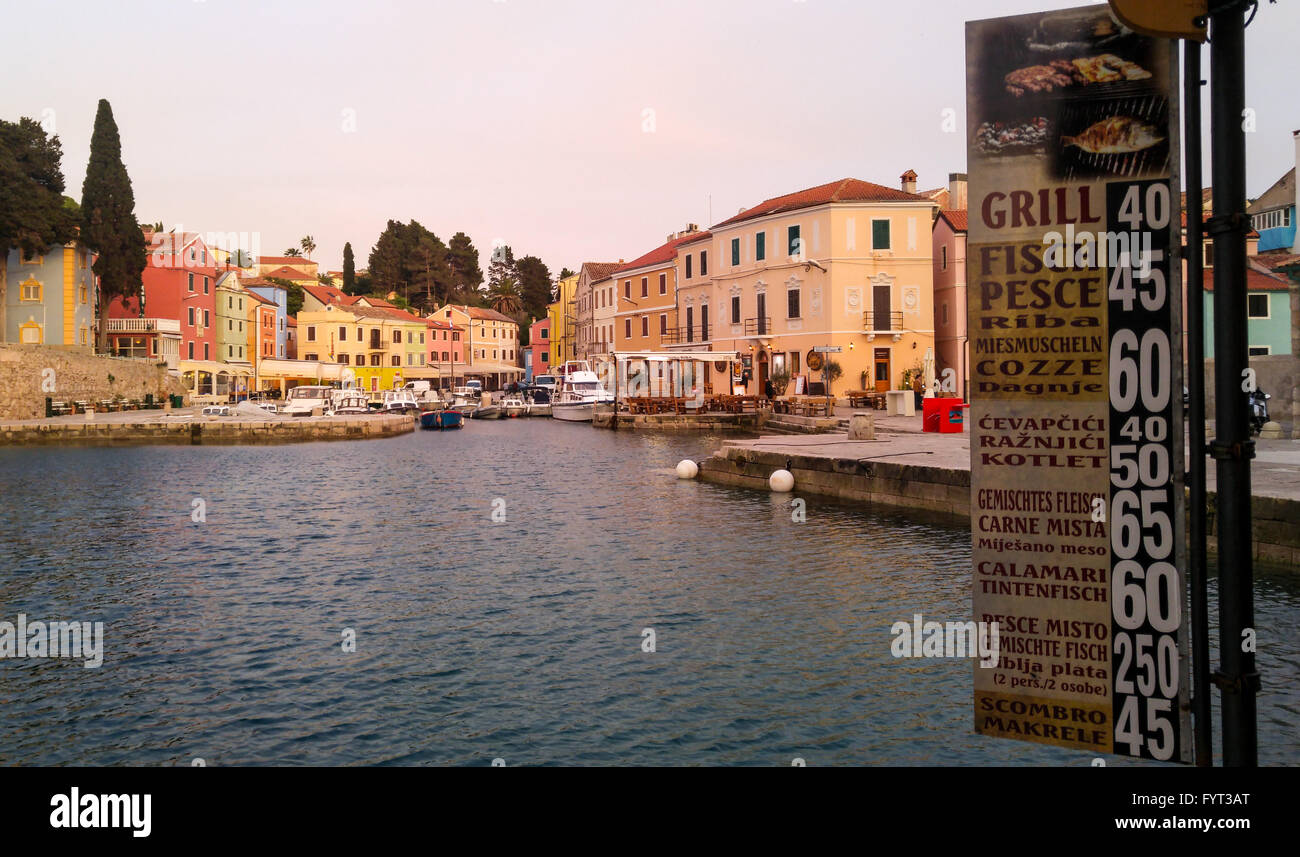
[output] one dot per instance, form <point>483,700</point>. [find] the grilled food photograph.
<point>1083,71</point>
<point>1114,136</point>
<point>996,137</point>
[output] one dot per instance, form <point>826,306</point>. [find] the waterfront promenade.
<point>190,426</point>
<point>905,467</point>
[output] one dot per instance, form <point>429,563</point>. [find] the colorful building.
<point>382,348</point>
<point>1268,311</point>
<point>842,265</point>
<point>233,309</point>
<point>604,304</point>
<point>491,343</point>
<point>263,321</point>
<point>564,321</point>
<point>179,305</point>
<point>1273,214</point>
<point>539,347</point>
<point>646,310</point>
<point>586,300</point>
<point>51,297</point>
<point>446,350</point>
<point>278,297</point>
<point>952,344</point>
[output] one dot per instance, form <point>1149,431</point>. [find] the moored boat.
<point>441,419</point>
<point>579,391</point>
<point>514,406</point>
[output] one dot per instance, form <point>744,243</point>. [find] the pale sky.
<point>525,120</point>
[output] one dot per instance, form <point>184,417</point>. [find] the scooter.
<point>1257,403</point>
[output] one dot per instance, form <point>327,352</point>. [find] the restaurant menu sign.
<point>1076,418</point>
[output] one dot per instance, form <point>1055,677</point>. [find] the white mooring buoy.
<point>781,481</point>
<point>687,469</point>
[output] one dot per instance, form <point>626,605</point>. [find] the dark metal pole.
<point>1200,625</point>
<point>1232,447</point>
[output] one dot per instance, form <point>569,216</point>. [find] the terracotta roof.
<point>695,238</point>
<point>598,270</point>
<point>844,190</point>
<point>280,260</point>
<point>293,321</point>
<point>255,296</point>
<point>956,218</point>
<point>286,273</point>
<point>479,312</point>
<point>659,255</point>
<point>1258,279</point>
<point>1276,260</point>
<point>328,294</point>
<point>259,281</point>
<point>938,194</point>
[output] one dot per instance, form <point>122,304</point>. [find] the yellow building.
<point>845,265</point>
<point>563,312</point>
<point>378,348</point>
<point>490,343</point>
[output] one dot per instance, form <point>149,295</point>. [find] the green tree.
<point>108,224</point>
<point>308,245</point>
<point>412,261</point>
<point>502,265</point>
<point>534,284</point>
<point>292,251</point>
<point>293,292</point>
<point>32,214</point>
<point>349,270</point>
<point>505,297</point>
<point>462,257</point>
<point>565,273</point>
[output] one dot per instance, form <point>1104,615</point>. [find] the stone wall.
<point>194,431</point>
<point>74,373</point>
<point>1275,375</point>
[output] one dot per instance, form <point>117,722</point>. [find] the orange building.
<point>645,317</point>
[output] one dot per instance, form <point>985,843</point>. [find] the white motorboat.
<point>302,401</point>
<point>350,401</point>
<point>579,392</point>
<point>514,406</point>
<point>400,401</point>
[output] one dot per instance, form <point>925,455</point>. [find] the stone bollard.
<point>862,426</point>
<point>1271,430</point>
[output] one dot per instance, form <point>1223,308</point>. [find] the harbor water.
<point>502,584</point>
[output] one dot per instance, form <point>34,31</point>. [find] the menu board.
<point>1076,419</point>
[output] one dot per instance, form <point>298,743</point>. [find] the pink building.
<point>539,344</point>
<point>179,303</point>
<point>446,348</point>
<point>952,346</point>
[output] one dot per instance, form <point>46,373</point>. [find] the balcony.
<point>686,335</point>
<point>760,326</point>
<point>142,325</point>
<point>890,323</point>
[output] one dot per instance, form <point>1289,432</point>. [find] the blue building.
<point>280,296</point>
<point>1273,214</point>
<point>51,297</point>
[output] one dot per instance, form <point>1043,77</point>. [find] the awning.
<point>214,367</point>
<point>276,367</point>
<point>412,372</point>
<point>676,356</point>
<point>484,367</point>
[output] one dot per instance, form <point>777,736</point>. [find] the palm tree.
<point>293,251</point>
<point>308,245</point>
<point>505,297</point>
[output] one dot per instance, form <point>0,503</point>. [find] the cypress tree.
<point>349,270</point>
<point>108,224</point>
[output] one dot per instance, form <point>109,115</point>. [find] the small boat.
<point>539,401</point>
<point>514,406</point>
<point>579,392</point>
<point>400,401</point>
<point>488,412</point>
<point>441,419</point>
<point>349,401</point>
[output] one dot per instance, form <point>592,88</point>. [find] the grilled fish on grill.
<point>1116,135</point>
